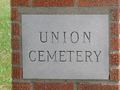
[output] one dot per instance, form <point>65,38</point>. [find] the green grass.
<point>5,45</point>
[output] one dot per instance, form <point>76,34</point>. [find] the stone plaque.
<point>65,46</point>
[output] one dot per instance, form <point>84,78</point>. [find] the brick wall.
<point>110,7</point>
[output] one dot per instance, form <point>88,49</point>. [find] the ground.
<point>5,45</point>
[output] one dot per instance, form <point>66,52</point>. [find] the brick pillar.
<point>109,7</point>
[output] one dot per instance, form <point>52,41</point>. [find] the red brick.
<point>115,43</point>
<point>53,86</point>
<point>15,27</point>
<point>115,74</point>
<point>98,87</point>
<point>115,28</point>
<point>115,58</point>
<point>84,3</point>
<point>15,57</point>
<point>15,43</point>
<point>14,14</point>
<point>21,86</point>
<point>115,14</point>
<point>16,72</point>
<point>53,2</point>
<point>20,2</point>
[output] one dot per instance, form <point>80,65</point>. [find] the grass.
<point>5,45</point>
